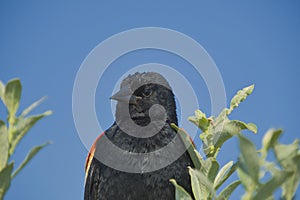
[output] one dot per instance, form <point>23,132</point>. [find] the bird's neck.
<point>141,145</point>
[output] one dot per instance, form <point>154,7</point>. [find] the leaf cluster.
<point>13,130</point>
<point>208,176</point>
<point>253,167</point>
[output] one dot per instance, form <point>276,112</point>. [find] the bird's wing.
<point>92,180</point>
<point>92,174</point>
<point>91,155</point>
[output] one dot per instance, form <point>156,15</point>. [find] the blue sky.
<point>44,44</point>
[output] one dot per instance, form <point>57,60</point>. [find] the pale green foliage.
<point>240,96</point>
<point>5,179</point>
<point>13,131</point>
<point>224,173</point>
<point>180,193</point>
<point>285,171</point>
<point>216,130</point>
<point>195,156</point>
<point>226,193</point>
<point>29,156</point>
<point>208,176</point>
<point>4,145</point>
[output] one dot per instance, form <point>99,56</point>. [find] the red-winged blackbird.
<point>138,93</point>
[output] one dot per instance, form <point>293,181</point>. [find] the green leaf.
<point>242,125</point>
<point>23,125</point>
<point>249,157</point>
<point>198,159</point>
<point>180,193</point>
<point>290,185</point>
<point>5,179</point>
<point>201,185</point>
<point>226,176</point>
<point>2,90</point>
<point>240,97</point>
<point>197,189</point>
<point>223,131</point>
<point>216,135</point>
<point>200,120</point>
<point>210,168</point>
<point>12,97</point>
<point>296,160</point>
<point>269,140</point>
<point>267,189</point>
<point>225,194</point>
<point>221,174</point>
<point>29,156</point>
<point>247,182</point>
<point>189,146</point>
<point>285,153</point>
<point>220,131</point>
<point>4,145</point>
<point>32,106</point>
<point>288,157</point>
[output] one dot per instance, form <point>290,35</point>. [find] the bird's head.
<point>139,92</point>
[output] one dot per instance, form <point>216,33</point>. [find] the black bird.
<point>138,93</point>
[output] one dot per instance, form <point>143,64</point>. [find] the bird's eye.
<point>147,92</point>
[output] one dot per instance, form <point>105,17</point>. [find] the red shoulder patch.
<point>91,154</point>
<point>192,142</point>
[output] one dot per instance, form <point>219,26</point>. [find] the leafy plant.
<point>208,176</point>
<point>285,172</point>
<point>13,130</point>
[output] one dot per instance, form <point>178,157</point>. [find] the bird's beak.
<point>125,95</point>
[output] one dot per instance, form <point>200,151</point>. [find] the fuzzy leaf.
<point>242,125</point>
<point>200,120</point>
<point>220,131</point>
<point>12,97</point>
<point>240,97</point>
<point>199,191</point>
<point>269,140</point>
<point>227,175</point>
<point>180,193</point>
<point>5,179</point>
<point>246,180</point>
<point>267,189</point>
<point>198,158</point>
<point>2,90</point>
<point>29,156</point>
<point>201,185</point>
<point>189,146</point>
<point>225,194</point>
<point>290,186</point>
<point>32,106</point>
<point>210,168</point>
<point>4,145</point>
<point>216,135</point>
<point>23,125</point>
<point>285,153</point>
<point>296,160</point>
<point>221,174</point>
<point>250,161</point>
